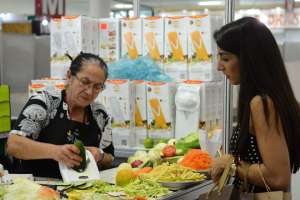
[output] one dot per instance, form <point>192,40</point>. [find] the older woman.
<point>48,125</point>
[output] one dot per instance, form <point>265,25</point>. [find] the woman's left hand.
<point>243,169</point>
<point>218,166</point>
<point>95,152</point>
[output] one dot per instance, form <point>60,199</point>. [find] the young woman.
<point>48,125</point>
<point>268,134</point>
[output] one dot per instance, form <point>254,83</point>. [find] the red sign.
<point>52,8</point>
<point>103,26</point>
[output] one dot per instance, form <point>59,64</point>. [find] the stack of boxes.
<point>5,124</point>
<point>71,35</point>
<point>118,98</point>
<point>182,46</point>
<point>139,109</point>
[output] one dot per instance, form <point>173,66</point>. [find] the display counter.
<point>191,193</point>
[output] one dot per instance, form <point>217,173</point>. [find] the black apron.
<point>57,133</point>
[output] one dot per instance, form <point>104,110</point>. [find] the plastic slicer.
<point>91,171</point>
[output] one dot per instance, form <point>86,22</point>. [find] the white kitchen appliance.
<point>187,101</point>
<point>90,173</point>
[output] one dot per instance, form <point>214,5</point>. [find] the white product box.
<point>59,67</point>
<point>75,34</point>
<point>52,86</point>
<point>131,38</point>
<point>140,112</point>
<point>109,43</point>
<point>153,38</point>
<point>176,47</point>
<point>94,36</point>
<point>59,64</point>
<point>188,101</point>
<point>119,98</point>
<point>55,37</point>
<point>211,101</point>
<point>160,109</point>
<point>123,138</point>
<point>202,48</point>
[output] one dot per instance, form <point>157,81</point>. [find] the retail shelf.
<point>189,193</point>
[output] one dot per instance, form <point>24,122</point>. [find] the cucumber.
<point>149,163</point>
<point>83,163</point>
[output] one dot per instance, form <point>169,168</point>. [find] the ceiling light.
<point>297,0</point>
<point>123,6</point>
<point>209,3</point>
<point>163,14</point>
<point>131,13</point>
<point>45,22</point>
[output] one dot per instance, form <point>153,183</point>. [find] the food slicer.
<point>91,171</point>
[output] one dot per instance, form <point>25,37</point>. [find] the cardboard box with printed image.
<point>202,48</point>
<point>153,39</point>
<point>160,109</point>
<point>59,63</point>
<point>140,112</point>
<point>131,38</point>
<point>176,47</point>
<point>109,43</point>
<point>119,98</point>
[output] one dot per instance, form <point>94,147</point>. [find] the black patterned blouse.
<point>253,155</point>
<point>45,118</point>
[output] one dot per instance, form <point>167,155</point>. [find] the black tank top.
<point>253,156</point>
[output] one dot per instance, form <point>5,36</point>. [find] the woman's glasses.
<point>86,83</point>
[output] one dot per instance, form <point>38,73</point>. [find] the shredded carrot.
<point>196,159</point>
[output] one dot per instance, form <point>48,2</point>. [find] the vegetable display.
<point>196,159</point>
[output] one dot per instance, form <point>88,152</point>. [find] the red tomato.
<point>169,151</point>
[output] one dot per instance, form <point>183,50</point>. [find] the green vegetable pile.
<point>139,187</point>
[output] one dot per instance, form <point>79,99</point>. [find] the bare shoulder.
<point>256,104</point>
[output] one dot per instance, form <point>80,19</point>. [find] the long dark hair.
<point>262,72</point>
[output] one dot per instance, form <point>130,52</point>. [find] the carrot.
<point>140,198</point>
<point>196,159</point>
<point>144,170</point>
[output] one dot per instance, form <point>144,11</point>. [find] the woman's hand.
<point>95,152</point>
<point>218,167</point>
<point>243,169</point>
<point>68,154</point>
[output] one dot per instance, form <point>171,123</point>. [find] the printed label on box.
<point>131,38</point>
